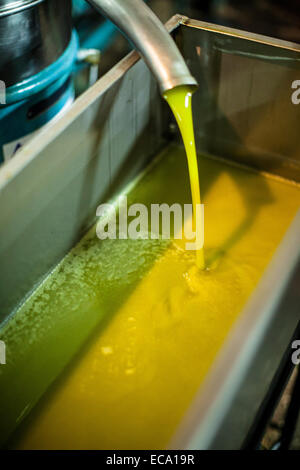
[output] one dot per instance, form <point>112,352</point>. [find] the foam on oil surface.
<point>91,282</point>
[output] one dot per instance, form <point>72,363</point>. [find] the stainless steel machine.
<point>73,164</point>
<point>38,50</point>
<point>33,35</point>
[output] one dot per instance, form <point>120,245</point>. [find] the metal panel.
<point>244,107</point>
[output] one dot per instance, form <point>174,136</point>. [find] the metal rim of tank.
<point>8,7</point>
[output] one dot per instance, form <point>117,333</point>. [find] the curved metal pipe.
<point>149,36</point>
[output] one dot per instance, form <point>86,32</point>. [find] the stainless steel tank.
<point>33,35</point>
<point>49,194</point>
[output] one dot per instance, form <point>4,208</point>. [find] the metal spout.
<point>149,36</point>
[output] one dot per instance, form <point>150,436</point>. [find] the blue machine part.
<point>23,119</point>
<point>80,7</point>
<point>93,33</point>
<point>32,85</point>
<point>101,38</point>
<point>36,101</point>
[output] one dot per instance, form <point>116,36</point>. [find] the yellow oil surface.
<point>180,101</point>
<point>132,383</point>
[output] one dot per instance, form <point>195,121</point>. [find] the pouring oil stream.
<point>180,102</point>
